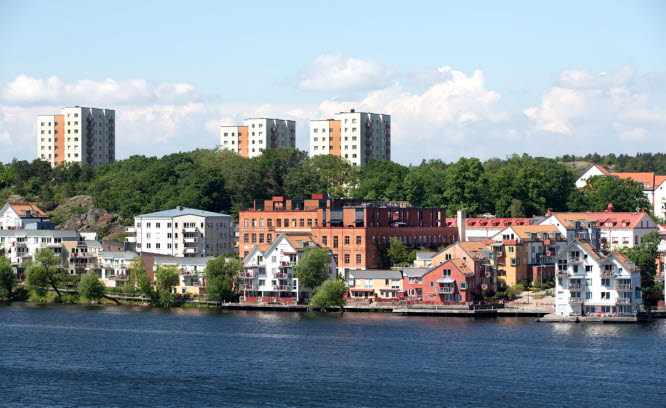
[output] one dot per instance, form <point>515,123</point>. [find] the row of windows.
<point>336,243</point>
<point>279,222</point>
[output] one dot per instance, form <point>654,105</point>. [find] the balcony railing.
<point>249,274</point>
<point>607,273</point>
<point>576,300</point>
<point>248,286</point>
<point>191,229</point>
<point>623,301</point>
<point>624,287</point>
<point>191,239</point>
<point>575,286</point>
<point>191,250</point>
<point>562,273</point>
<point>282,287</point>
<point>445,290</point>
<point>575,260</point>
<point>283,275</point>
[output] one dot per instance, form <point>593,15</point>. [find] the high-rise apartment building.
<point>77,135</point>
<point>257,135</point>
<point>354,136</point>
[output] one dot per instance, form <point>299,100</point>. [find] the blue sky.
<point>477,78</point>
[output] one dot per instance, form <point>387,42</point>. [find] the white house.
<point>575,225</point>
<point>589,282</point>
<point>183,232</point>
<point>22,216</point>
<point>268,270</point>
<point>191,277</point>
<point>595,170</point>
<point>114,267</point>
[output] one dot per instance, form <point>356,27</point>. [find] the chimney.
<point>353,110</point>
<point>462,225</point>
<point>611,208</point>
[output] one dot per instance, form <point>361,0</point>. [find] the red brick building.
<point>354,230</point>
<point>450,283</point>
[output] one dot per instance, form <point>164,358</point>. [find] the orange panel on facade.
<point>243,141</point>
<point>59,139</point>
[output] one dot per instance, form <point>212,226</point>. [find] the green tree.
<point>220,276</point>
<point>398,253</point>
<point>322,173</point>
<point>645,256</point>
<point>329,294</point>
<point>382,180</point>
<point>275,164</point>
<point>7,278</point>
<point>313,268</point>
<point>45,272</point>
<point>91,287</point>
<point>624,194</point>
<point>465,185</point>
<point>165,279</point>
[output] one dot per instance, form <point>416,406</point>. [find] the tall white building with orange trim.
<point>354,136</point>
<point>257,135</point>
<point>77,135</point>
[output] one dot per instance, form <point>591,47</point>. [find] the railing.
<point>248,286</point>
<point>249,275</point>
<point>562,273</point>
<point>191,250</point>
<point>190,229</point>
<point>191,239</point>
<point>575,286</point>
<point>623,301</point>
<point>575,300</point>
<point>575,260</point>
<point>282,287</point>
<point>282,275</point>
<point>608,273</point>
<point>287,264</point>
<point>446,290</point>
<point>624,286</point>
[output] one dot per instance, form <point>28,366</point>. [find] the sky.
<point>459,78</point>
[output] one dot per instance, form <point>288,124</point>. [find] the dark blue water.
<point>74,356</point>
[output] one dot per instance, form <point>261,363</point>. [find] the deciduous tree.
<point>313,268</point>
<point>220,276</point>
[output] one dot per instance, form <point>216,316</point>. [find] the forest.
<point>516,186</point>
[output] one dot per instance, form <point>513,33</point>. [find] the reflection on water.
<point>69,355</point>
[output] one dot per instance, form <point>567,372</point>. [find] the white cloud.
<point>579,79</point>
<point>333,72</point>
<point>25,90</point>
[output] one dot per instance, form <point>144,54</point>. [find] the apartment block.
<point>183,232</point>
<point>78,251</point>
<point>589,282</point>
<point>450,283</point>
<point>475,259</point>
<point>114,267</point>
<point>355,230</point>
<point>354,136</point>
<point>375,285</point>
<point>77,135</point>
<point>268,270</point>
<point>191,276</point>
<point>257,135</point>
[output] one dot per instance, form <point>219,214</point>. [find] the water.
<point>78,356</point>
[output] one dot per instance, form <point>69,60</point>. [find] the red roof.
<point>617,219</point>
<point>647,179</point>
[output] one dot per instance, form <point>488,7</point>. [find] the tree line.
<point>222,181</point>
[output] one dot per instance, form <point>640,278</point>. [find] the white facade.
<point>77,135</point>
<point>659,204</point>
<point>588,282</point>
<point>114,267</point>
<point>592,171</point>
<point>184,232</point>
<point>270,273</point>
<point>259,134</point>
<point>20,215</point>
<point>354,136</point>
<point>191,277</point>
<point>77,254</point>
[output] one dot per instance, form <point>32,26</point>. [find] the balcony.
<point>562,273</point>
<point>607,273</point>
<point>623,287</point>
<point>577,300</point>
<point>190,229</point>
<point>191,239</point>
<point>287,264</point>
<point>575,260</point>
<point>249,274</point>
<point>623,301</point>
<point>191,250</point>
<point>282,288</point>
<point>444,290</point>
<point>130,239</point>
<point>283,275</point>
<point>130,229</point>
<point>575,286</point>
<point>248,286</point>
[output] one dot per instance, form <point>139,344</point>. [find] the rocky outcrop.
<point>78,213</point>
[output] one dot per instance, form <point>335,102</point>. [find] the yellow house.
<point>377,285</point>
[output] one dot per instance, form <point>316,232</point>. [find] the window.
<point>463,285</point>
<point>347,258</point>
<point>324,240</point>
<point>347,240</point>
<point>446,273</point>
<point>447,257</point>
<point>358,240</point>
<point>515,261</point>
<point>605,282</point>
<point>157,225</point>
<point>157,246</point>
<point>358,259</point>
<point>335,242</point>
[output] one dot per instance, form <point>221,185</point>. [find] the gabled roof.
<point>297,241</point>
<point>415,272</point>
<point>179,211</point>
<point>27,210</point>
<point>582,244</point>
<point>647,179</point>
<point>461,266</point>
<point>567,219</point>
<point>474,249</point>
<point>617,219</point>
<point>602,169</point>
<point>425,255</point>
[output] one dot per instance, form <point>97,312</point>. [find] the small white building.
<point>191,277</point>
<point>590,282</point>
<point>114,267</point>
<point>22,216</point>
<point>595,170</point>
<point>183,232</point>
<point>268,270</point>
